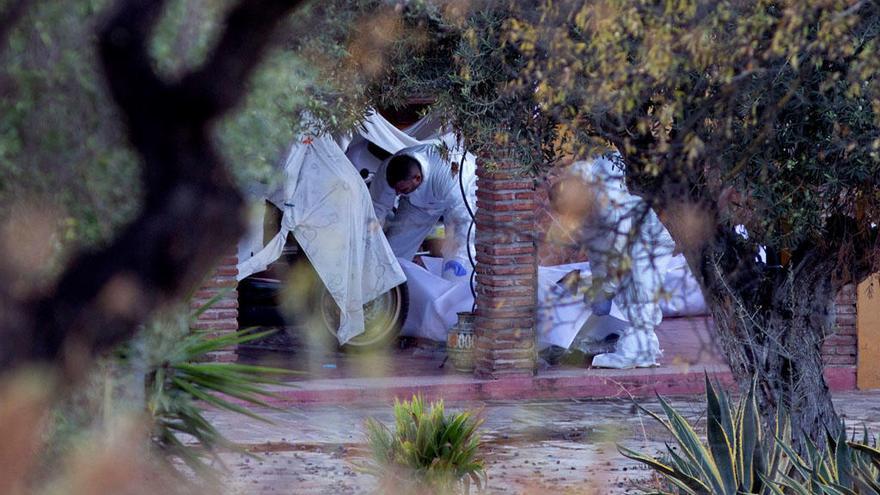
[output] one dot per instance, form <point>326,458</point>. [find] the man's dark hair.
<point>401,168</point>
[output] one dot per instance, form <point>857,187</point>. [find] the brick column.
<point>222,317</point>
<point>506,273</point>
<point>839,348</point>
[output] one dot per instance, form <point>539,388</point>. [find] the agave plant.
<point>180,382</point>
<point>738,457</point>
<point>429,451</point>
<point>843,468</point>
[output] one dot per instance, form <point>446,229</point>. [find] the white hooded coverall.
<point>439,195</point>
<point>624,240</point>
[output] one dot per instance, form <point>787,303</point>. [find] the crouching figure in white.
<point>624,239</point>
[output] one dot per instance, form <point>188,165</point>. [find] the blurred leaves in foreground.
<point>106,459</point>
<point>180,381</point>
<point>138,424</point>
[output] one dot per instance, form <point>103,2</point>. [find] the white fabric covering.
<point>329,216</point>
<point>434,302</point>
<point>327,206</point>
<point>683,296</point>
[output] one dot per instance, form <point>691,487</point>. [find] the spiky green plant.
<point>738,457</point>
<point>180,382</point>
<point>428,452</point>
<point>843,468</point>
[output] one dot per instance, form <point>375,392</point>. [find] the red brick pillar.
<point>840,348</point>
<point>506,273</point>
<point>222,316</point>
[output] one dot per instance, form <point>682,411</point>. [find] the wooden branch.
<point>9,17</point>
<point>192,210</point>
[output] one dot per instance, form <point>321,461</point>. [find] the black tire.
<point>314,311</point>
<point>383,318</point>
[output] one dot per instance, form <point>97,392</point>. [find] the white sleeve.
<point>457,219</point>
<point>382,194</point>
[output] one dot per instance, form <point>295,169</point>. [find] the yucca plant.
<point>180,382</point>
<point>429,452</point>
<point>738,457</point>
<point>843,468</point>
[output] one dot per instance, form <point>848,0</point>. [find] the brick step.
<point>677,380</point>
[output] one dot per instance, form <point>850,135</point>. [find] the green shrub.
<point>740,457</point>
<point>843,468</point>
<point>180,382</point>
<point>429,452</point>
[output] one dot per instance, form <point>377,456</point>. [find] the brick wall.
<point>506,272</point>
<point>222,317</point>
<point>840,348</point>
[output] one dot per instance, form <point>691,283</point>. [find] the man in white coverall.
<point>429,186</point>
<point>624,238</point>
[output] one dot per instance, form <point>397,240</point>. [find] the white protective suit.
<point>626,244</point>
<point>439,195</point>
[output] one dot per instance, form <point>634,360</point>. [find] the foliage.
<point>774,105</point>
<point>740,456</point>
<point>63,148</point>
<point>429,451</point>
<point>763,115</point>
<point>60,146</point>
<point>843,468</point>
<point>180,381</point>
<point>464,63</point>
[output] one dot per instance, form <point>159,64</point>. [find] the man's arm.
<point>457,222</point>
<point>382,194</point>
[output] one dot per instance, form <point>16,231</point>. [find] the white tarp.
<point>562,314</point>
<point>331,214</point>
<point>327,206</point>
<point>435,301</point>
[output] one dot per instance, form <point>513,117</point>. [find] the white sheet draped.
<point>327,206</point>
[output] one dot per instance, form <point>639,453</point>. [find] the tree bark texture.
<point>770,322</point>
<point>192,209</point>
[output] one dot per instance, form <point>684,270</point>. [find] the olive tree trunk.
<point>770,320</point>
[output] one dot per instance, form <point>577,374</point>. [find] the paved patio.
<point>345,378</point>
<point>532,447</point>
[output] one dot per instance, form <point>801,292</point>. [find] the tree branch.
<point>191,214</point>
<point>9,17</point>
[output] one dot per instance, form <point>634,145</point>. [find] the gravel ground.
<point>531,447</point>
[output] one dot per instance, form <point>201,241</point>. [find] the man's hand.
<point>452,270</point>
<point>601,305</point>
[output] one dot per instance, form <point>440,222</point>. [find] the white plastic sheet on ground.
<point>327,206</point>
<point>562,314</point>
<point>435,301</point>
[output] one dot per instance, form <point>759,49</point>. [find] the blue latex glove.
<point>455,267</point>
<point>601,305</point>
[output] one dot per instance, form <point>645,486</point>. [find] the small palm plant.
<point>739,457</point>
<point>429,452</point>
<point>180,382</point>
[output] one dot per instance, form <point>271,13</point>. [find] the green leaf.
<point>693,485</point>
<point>693,447</point>
<point>720,441</point>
